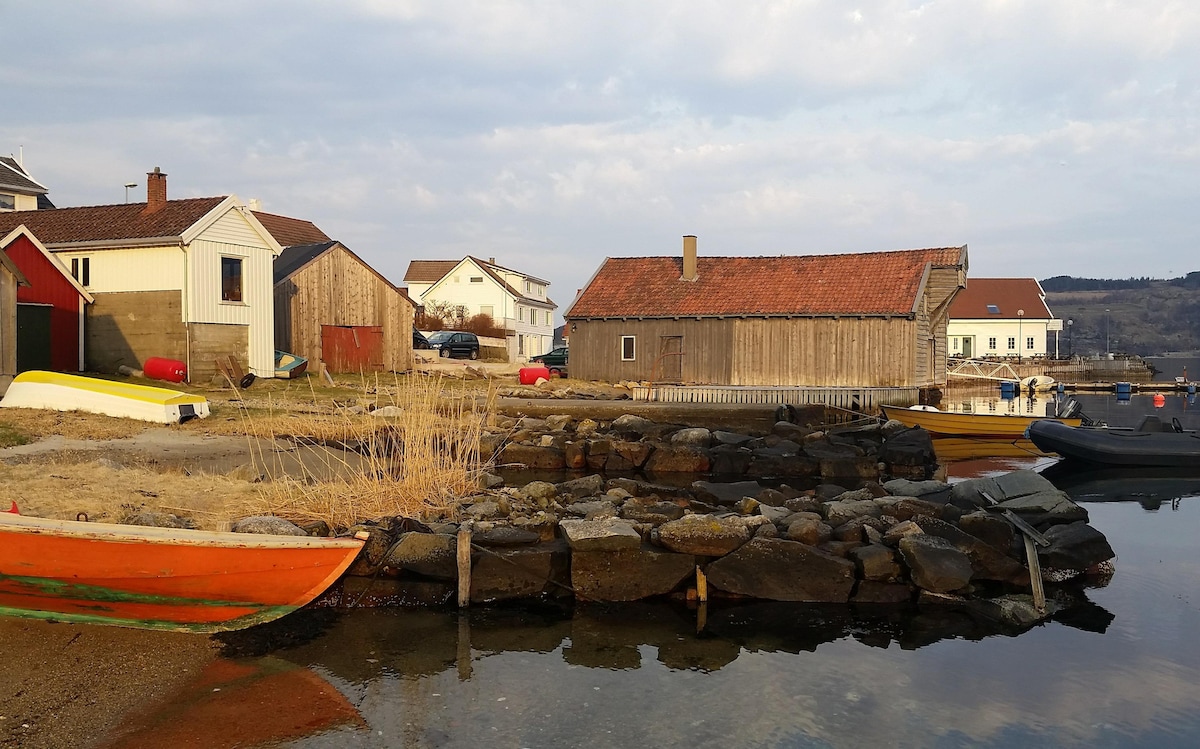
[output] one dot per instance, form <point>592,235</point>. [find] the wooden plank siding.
<point>843,352</point>
<point>8,321</point>
<point>337,288</point>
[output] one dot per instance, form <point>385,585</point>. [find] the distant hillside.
<point>1145,316</point>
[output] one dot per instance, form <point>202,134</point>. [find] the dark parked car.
<point>419,340</point>
<point>455,343</point>
<point>554,360</point>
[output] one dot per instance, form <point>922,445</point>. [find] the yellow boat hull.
<point>968,425</point>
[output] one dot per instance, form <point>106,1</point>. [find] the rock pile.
<point>625,539</point>
<point>634,444</point>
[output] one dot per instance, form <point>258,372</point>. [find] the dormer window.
<point>993,309</point>
<point>8,201</point>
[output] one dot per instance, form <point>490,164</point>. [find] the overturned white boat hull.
<point>63,392</point>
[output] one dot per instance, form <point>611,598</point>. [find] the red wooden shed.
<point>50,310</point>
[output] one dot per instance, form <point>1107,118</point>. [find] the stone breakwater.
<point>886,540</point>
<point>634,444</point>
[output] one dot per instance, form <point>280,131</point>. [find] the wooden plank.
<point>1035,575</point>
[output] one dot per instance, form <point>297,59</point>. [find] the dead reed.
<point>410,448</point>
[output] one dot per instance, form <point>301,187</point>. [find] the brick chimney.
<point>156,189</point>
<point>689,258</point>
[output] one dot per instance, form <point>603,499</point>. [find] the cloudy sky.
<point>1052,137</point>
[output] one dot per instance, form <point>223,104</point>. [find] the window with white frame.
<point>954,344</point>
<point>520,313</point>
<point>549,318</point>
<point>231,279</point>
<point>1029,343</point>
<point>8,202</point>
<point>476,279</point>
<point>991,344</point>
<point>628,348</point>
<point>1012,343</point>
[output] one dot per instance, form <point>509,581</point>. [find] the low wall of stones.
<point>632,444</point>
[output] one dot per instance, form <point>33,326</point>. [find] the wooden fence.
<point>862,399</point>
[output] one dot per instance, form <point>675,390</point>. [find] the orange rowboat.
<point>160,578</point>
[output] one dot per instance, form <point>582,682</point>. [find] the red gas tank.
<point>171,370</point>
<point>530,375</point>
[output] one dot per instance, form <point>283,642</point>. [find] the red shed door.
<point>352,348</point>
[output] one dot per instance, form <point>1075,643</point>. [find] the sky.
<point>1051,137</point>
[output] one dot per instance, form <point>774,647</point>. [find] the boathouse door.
<point>968,347</point>
<point>670,358</point>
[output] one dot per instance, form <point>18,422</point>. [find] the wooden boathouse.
<point>863,320</point>
<point>337,311</point>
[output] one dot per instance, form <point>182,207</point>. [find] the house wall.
<point>933,311</point>
<point>126,328</point>
<point>867,352</point>
<point>232,235</point>
<point>1001,330</point>
<point>49,285</point>
<point>132,269</point>
<point>337,289</point>
<point>210,341</point>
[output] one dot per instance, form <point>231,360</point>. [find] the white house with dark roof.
<point>517,301</point>
<point>18,190</point>
<point>186,279</point>
<point>1000,318</point>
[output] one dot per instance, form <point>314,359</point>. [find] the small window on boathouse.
<point>628,348</point>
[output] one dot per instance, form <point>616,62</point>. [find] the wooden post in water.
<point>464,564</point>
<point>1035,575</point>
<point>702,597</point>
<point>464,647</point>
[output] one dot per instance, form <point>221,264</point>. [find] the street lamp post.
<point>1106,351</point>
<point>1020,340</point>
<point>127,186</point>
<point>1070,344</point>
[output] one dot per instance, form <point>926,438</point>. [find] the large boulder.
<point>677,459</point>
<point>1075,546</point>
<point>532,456</point>
<point>725,494</point>
<point>987,562</point>
<point>935,564</point>
<point>600,535</point>
<point>629,574</point>
<point>527,572</point>
<point>704,535</point>
<point>876,562</point>
<point>431,554</point>
<point>779,570</point>
<point>268,524</point>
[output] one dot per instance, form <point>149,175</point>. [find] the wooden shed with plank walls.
<point>325,295</point>
<point>10,279</point>
<point>854,320</point>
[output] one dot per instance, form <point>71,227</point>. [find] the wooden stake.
<point>701,585</point>
<point>1035,575</point>
<point>464,564</point>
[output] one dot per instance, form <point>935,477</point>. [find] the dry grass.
<point>106,493</point>
<point>417,463</point>
<point>352,466</point>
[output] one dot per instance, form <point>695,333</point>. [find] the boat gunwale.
<point>118,533</point>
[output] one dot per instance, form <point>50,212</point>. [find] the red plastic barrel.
<point>171,370</point>
<point>530,375</point>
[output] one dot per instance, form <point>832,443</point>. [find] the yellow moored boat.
<point>64,392</point>
<point>969,425</point>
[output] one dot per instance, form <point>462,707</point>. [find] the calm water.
<point>1120,673</point>
<point>1120,669</point>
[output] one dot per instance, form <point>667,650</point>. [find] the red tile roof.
<point>1008,295</point>
<point>289,232</point>
<point>429,271</point>
<point>110,222</point>
<point>874,283</point>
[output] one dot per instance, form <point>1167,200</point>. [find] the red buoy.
<point>1160,400</point>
